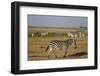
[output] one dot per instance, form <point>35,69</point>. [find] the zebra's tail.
<point>47,48</point>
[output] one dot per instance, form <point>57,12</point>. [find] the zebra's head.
<point>72,42</point>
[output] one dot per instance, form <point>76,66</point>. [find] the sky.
<point>57,21</point>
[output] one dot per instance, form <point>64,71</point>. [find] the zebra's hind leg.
<point>55,54</point>
<point>51,54</point>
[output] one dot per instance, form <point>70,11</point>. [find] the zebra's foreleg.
<point>65,53</point>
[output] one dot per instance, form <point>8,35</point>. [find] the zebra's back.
<point>58,44</point>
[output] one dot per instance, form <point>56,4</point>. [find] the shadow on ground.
<point>79,54</point>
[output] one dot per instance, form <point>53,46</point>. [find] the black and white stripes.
<point>61,45</point>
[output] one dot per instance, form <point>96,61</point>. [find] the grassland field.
<point>37,45</point>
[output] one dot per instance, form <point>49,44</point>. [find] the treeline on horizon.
<point>57,27</point>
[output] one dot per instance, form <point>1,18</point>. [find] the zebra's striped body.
<point>61,45</point>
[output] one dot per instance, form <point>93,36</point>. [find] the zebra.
<point>61,45</point>
<point>43,34</point>
<point>72,34</point>
<point>32,34</point>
